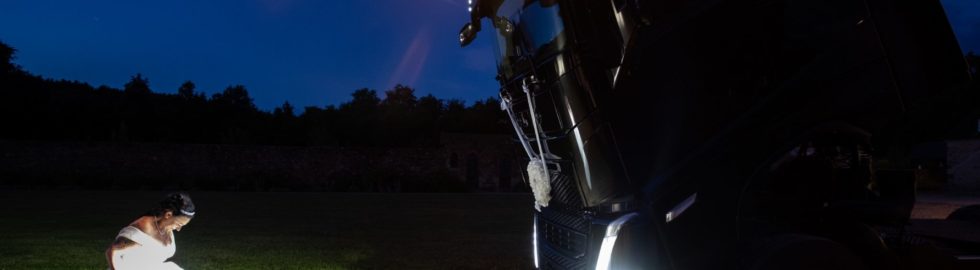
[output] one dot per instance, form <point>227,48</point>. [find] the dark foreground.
<point>71,229</point>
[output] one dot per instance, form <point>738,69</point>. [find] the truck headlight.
<point>609,241</point>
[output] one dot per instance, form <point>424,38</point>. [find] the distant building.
<point>486,162</point>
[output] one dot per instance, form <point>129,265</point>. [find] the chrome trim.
<point>506,105</point>
<point>581,145</point>
<point>613,228</point>
<point>679,209</point>
<point>534,241</point>
<point>560,65</point>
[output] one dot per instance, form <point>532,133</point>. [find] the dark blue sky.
<point>309,52</point>
<point>964,15</point>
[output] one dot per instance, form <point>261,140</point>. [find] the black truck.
<point>722,134</point>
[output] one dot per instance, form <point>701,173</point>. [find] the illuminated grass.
<point>71,229</point>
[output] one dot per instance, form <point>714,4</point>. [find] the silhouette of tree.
<point>237,120</point>
<point>401,96</point>
<point>6,57</point>
<point>286,110</point>
<point>186,91</point>
<point>399,122</point>
<point>363,101</point>
<point>485,116</point>
<point>452,120</point>
<point>137,85</point>
<point>35,108</point>
<point>285,126</point>
<point>320,126</point>
<point>429,110</point>
<point>235,96</point>
<point>358,121</point>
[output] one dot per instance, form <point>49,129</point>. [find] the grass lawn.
<point>71,230</point>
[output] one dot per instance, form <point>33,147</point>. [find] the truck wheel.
<point>805,252</point>
<point>966,213</point>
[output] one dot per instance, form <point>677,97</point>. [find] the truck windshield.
<point>526,28</point>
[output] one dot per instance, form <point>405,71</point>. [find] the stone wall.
<point>73,165</point>
<point>488,162</point>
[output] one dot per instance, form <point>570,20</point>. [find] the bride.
<point>149,241</point>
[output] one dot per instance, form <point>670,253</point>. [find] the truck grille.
<point>564,190</point>
<point>571,243</point>
<point>554,260</point>
<point>563,233</point>
<point>563,229</point>
<point>558,213</point>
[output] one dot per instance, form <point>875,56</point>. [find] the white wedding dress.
<point>148,253</point>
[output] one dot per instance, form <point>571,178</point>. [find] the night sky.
<point>307,52</point>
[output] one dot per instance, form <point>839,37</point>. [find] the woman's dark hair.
<point>178,203</point>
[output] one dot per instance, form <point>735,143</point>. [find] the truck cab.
<point>717,134</point>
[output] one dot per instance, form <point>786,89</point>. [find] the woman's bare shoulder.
<point>144,224</point>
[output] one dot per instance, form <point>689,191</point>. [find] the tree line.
<point>37,108</point>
